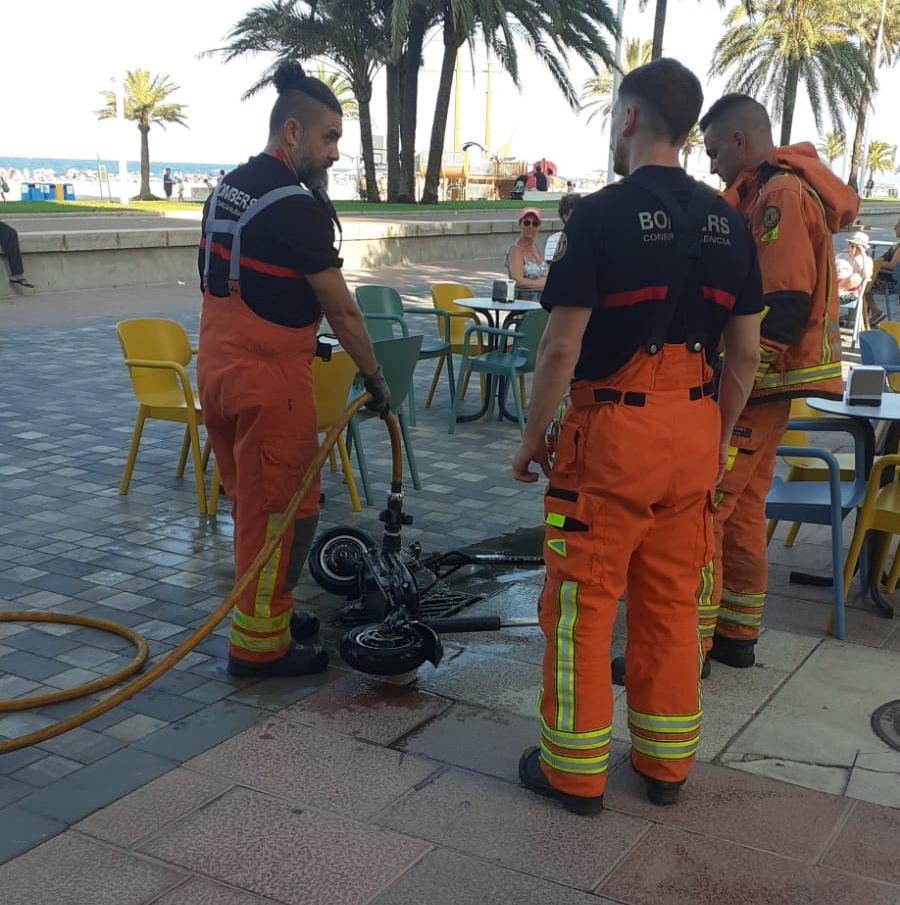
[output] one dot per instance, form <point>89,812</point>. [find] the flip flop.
<point>21,281</point>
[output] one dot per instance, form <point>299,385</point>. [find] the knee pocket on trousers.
<point>283,463</point>
<point>574,541</point>
<point>742,461</point>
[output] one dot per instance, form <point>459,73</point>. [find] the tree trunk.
<point>856,154</point>
<point>392,141</point>
<point>659,26</point>
<point>792,77</point>
<point>144,193</point>
<point>364,99</point>
<point>410,64</point>
<point>441,109</point>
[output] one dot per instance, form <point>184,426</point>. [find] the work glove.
<point>381,395</point>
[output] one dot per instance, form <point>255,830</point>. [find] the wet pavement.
<point>347,789</point>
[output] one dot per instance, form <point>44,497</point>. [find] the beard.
<point>311,173</point>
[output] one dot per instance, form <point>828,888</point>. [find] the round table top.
<point>889,410</point>
<point>520,306</point>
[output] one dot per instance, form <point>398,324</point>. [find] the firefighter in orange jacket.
<point>269,270</point>
<point>648,275</point>
<point>793,204</point>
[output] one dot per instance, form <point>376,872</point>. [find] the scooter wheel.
<point>336,556</point>
<point>382,651</point>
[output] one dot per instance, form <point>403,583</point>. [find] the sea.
<point>63,166</point>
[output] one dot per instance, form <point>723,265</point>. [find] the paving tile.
<point>162,706</point>
<point>210,692</point>
<point>46,770</point>
<point>875,786</point>
<point>273,693</point>
<point>811,776</point>
<point>37,642</point>
<point>510,826</point>
<point>490,681</point>
<point>30,666</point>
<point>12,790</point>
<point>868,843</point>
<point>251,840</point>
<point>86,657</point>
<point>84,791</point>
<point>317,768</point>
<point>466,735</point>
<point>134,727</point>
<point>21,830</point>
<point>147,810</point>
<point>753,811</point>
<point>205,892</point>
<point>447,878</point>
<point>82,745</point>
<point>200,731</point>
<point>678,868</point>
<point>16,760</point>
<point>77,871</point>
<point>821,715</point>
<point>366,708</point>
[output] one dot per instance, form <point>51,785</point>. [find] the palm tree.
<point>596,93</point>
<point>349,33</point>
<point>880,158</point>
<point>693,143</point>
<point>341,89</point>
<point>832,147</point>
<point>145,98</point>
<point>551,28</point>
<point>793,41</point>
<point>870,18</point>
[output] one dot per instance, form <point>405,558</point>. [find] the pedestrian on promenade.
<point>794,204</point>
<point>564,210</point>
<point>655,270</point>
<point>168,183</point>
<point>9,242</point>
<point>266,284</point>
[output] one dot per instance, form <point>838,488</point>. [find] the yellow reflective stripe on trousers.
<point>268,626</point>
<point>596,738</point>
<point>588,765</point>
<point>800,376</point>
<point>665,750</point>
<point>565,656</point>
<point>265,585</point>
<point>664,723</point>
<point>751,619</point>
<point>754,601</point>
<point>259,645</point>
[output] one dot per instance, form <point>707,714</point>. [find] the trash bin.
<point>68,191</point>
<point>25,191</point>
<point>46,191</point>
<point>36,193</point>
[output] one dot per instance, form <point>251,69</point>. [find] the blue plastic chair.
<point>877,347</point>
<point>823,502</point>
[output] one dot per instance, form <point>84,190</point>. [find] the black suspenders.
<point>687,227</point>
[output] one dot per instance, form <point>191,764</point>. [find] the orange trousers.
<point>256,391</point>
<point>739,571</point>
<point>628,511</point>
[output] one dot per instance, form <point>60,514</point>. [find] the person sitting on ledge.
<point>9,242</point>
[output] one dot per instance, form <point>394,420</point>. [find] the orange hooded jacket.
<point>794,204</point>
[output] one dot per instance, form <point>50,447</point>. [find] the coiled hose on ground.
<point>186,646</point>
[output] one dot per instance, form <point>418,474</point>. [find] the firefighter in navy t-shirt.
<point>269,270</point>
<point>649,276</point>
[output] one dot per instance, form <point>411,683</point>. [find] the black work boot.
<point>304,626</point>
<point>659,792</point>
<point>733,652</point>
<point>532,777</point>
<point>300,660</point>
<point>618,670</point>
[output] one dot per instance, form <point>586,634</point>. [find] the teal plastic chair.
<point>384,311</point>
<point>503,364</point>
<point>530,329</point>
<point>398,359</point>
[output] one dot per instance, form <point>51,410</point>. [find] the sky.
<point>52,86</point>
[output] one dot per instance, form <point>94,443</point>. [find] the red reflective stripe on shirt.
<point>633,297</point>
<point>725,299</point>
<point>274,270</point>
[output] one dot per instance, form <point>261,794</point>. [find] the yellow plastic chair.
<point>332,381</point>
<point>880,511</point>
<point>802,468</point>
<point>157,353</point>
<point>451,323</point>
